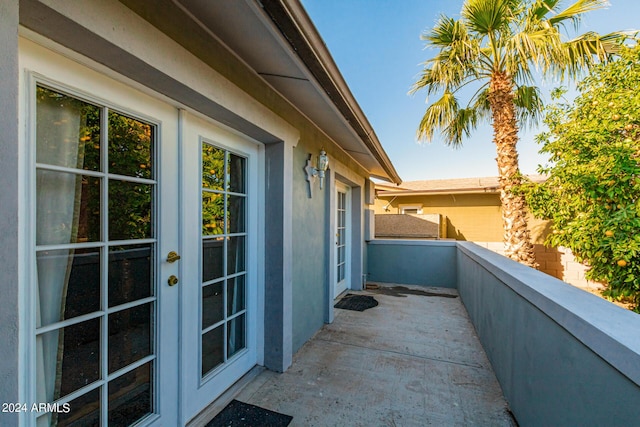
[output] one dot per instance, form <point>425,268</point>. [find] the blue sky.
<point>377,46</point>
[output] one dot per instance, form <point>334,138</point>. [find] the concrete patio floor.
<point>413,360</point>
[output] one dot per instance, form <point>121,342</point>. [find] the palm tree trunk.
<point>517,241</point>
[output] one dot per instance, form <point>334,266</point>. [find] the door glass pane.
<point>224,213</point>
<point>235,254</point>
<point>130,146</point>
<point>130,396</point>
<point>212,259</point>
<point>129,210</point>
<point>235,295</point>
<point>130,273</point>
<point>130,337</point>
<point>67,208</point>
<point>237,170</point>
<point>212,213</point>
<point>235,335</point>
<point>67,131</point>
<point>81,295</point>
<point>212,167</point>
<point>83,411</point>
<point>212,349</point>
<point>69,357</point>
<point>236,209</point>
<point>212,304</point>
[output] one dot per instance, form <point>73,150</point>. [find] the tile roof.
<point>457,185</point>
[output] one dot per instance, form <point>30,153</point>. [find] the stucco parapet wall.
<point>402,242</point>
<point>609,331</point>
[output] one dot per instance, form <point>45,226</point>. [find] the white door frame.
<point>342,238</point>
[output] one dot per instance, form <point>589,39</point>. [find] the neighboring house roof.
<point>447,186</point>
<point>278,41</point>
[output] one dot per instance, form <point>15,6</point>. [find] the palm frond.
<point>539,9</point>
<point>480,102</point>
<point>487,16</point>
<point>446,32</point>
<point>529,105</point>
<point>541,47</point>
<point>438,116</point>
<point>461,125</point>
<point>574,12</point>
<point>589,49</point>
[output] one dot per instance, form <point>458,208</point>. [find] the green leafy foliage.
<point>593,186</point>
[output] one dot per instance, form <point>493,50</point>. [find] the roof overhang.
<point>278,41</point>
<point>406,193</point>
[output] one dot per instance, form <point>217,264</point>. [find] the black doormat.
<point>356,302</point>
<point>240,414</point>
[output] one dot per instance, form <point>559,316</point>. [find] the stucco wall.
<point>9,213</point>
<point>310,247</point>
<point>413,262</point>
<point>562,356</point>
<point>471,217</point>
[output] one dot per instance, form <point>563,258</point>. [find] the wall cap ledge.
<point>608,330</point>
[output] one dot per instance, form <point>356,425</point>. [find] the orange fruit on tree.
<point>622,263</point>
<point>608,233</point>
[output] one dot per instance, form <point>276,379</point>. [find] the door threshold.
<point>215,407</point>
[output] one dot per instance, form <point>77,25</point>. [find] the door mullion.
<point>104,282</point>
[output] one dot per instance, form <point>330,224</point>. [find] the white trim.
<point>405,207</point>
<point>345,284</point>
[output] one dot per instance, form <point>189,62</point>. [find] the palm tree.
<point>496,45</point>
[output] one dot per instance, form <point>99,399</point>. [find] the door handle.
<point>172,257</point>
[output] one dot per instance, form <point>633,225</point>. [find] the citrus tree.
<point>592,194</point>
<point>495,46</point>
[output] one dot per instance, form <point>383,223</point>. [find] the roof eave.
<point>316,57</point>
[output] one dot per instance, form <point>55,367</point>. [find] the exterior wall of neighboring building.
<point>473,217</point>
<point>477,217</point>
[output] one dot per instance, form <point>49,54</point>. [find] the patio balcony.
<point>472,339</point>
<point>562,356</point>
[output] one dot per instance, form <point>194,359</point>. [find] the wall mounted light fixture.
<point>319,170</point>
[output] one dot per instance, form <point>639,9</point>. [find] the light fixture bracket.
<point>319,171</point>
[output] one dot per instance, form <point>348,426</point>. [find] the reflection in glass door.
<point>224,232</point>
<point>96,300</point>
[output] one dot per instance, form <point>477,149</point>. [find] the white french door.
<point>220,270</point>
<point>145,234</point>
<point>103,210</point>
<point>343,239</point>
